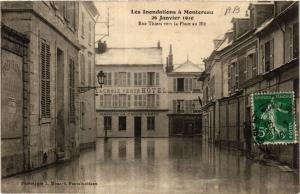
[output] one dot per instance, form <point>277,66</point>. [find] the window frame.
<point>120,120</point>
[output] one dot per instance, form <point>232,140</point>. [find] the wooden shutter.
<point>185,87</point>
<point>272,54</point>
<point>144,82</point>
<point>128,100</point>
<point>157,100</point>
<point>174,106</point>
<point>45,79</point>
<point>254,64</point>
<point>262,57</point>
<point>157,78</point>
<point>175,84</point>
<point>116,78</point>
<point>128,78</point>
<point>72,90</point>
<point>190,84</point>
<point>135,79</point>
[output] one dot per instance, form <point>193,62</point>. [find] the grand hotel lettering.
<point>145,90</point>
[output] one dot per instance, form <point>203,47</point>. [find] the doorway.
<point>188,128</point>
<point>137,126</point>
<point>60,126</point>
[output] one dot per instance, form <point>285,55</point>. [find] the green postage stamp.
<point>273,118</point>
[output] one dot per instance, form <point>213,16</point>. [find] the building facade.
<point>132,101</point>
<point>50,117</point>
<point>87,16</point>
<point>260,55</point>
<point>185,97</point>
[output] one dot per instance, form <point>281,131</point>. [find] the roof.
<point>188,67</point>
<point>130,56</point>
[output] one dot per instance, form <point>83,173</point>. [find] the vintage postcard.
<point>138,96</point>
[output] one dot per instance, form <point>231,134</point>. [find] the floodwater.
<point>156,165</point>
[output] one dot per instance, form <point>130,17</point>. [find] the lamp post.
<point>100,79</point>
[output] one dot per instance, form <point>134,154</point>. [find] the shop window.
<point>151,123</point>
<point>107,123</point>
<point>45,79</point>
<point>122,123</point>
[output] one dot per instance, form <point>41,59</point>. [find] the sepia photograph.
<point>150,96</point>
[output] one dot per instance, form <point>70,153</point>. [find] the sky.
<point>194,42</point>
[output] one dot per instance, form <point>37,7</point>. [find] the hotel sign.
<point>143,90</point>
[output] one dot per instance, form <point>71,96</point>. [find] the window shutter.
<point>135,100</point>
<point>185,84</point>
<point>174,106</point>
<point>135,78</point>
<point>116,78</point>
<point>144,79</point>
<point>254,63</point>
<point>128,79</point>
<point>157,101</point>
<point>157,78</point>
<point>190,84</point>
<point>272,54</point>
<point>45,79</point>
<point>72,91</point>
<point>128,101</point>
<point>262,57</point>
<point>175,84</point>
<point>101,100</point>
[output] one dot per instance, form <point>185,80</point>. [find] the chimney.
<point>169,66</point>
<point>102,46</point>
<point>158,44</point>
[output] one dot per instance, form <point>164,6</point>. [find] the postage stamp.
<point>273,118</point>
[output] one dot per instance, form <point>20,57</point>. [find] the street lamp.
<point>100,78</point>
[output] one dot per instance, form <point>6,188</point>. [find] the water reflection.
<point>157,165</point>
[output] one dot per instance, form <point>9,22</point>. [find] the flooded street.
<point>156,165</point>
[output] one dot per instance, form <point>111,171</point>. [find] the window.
<point>82,68</point>
<point>107,123</point>
<point>150,100</point>
<point>72,90</point>
<point>151,78</point>
<point>267,55</point>
<point>178,106</point>
<point>251,66</point>
<point>150,123</point>
<point>196,85</point>
<point>107,100</point>
<point>82,24</point>
<point>139,79</point>
<point>122,123</point>
<point>45,79</point>
<point>107,79</point>
<point>121,79</point>
<point>180,84</point>
<point>101,100</point>
<point>188,106</point>
<point>122,100</point>
<point>115,100</point>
